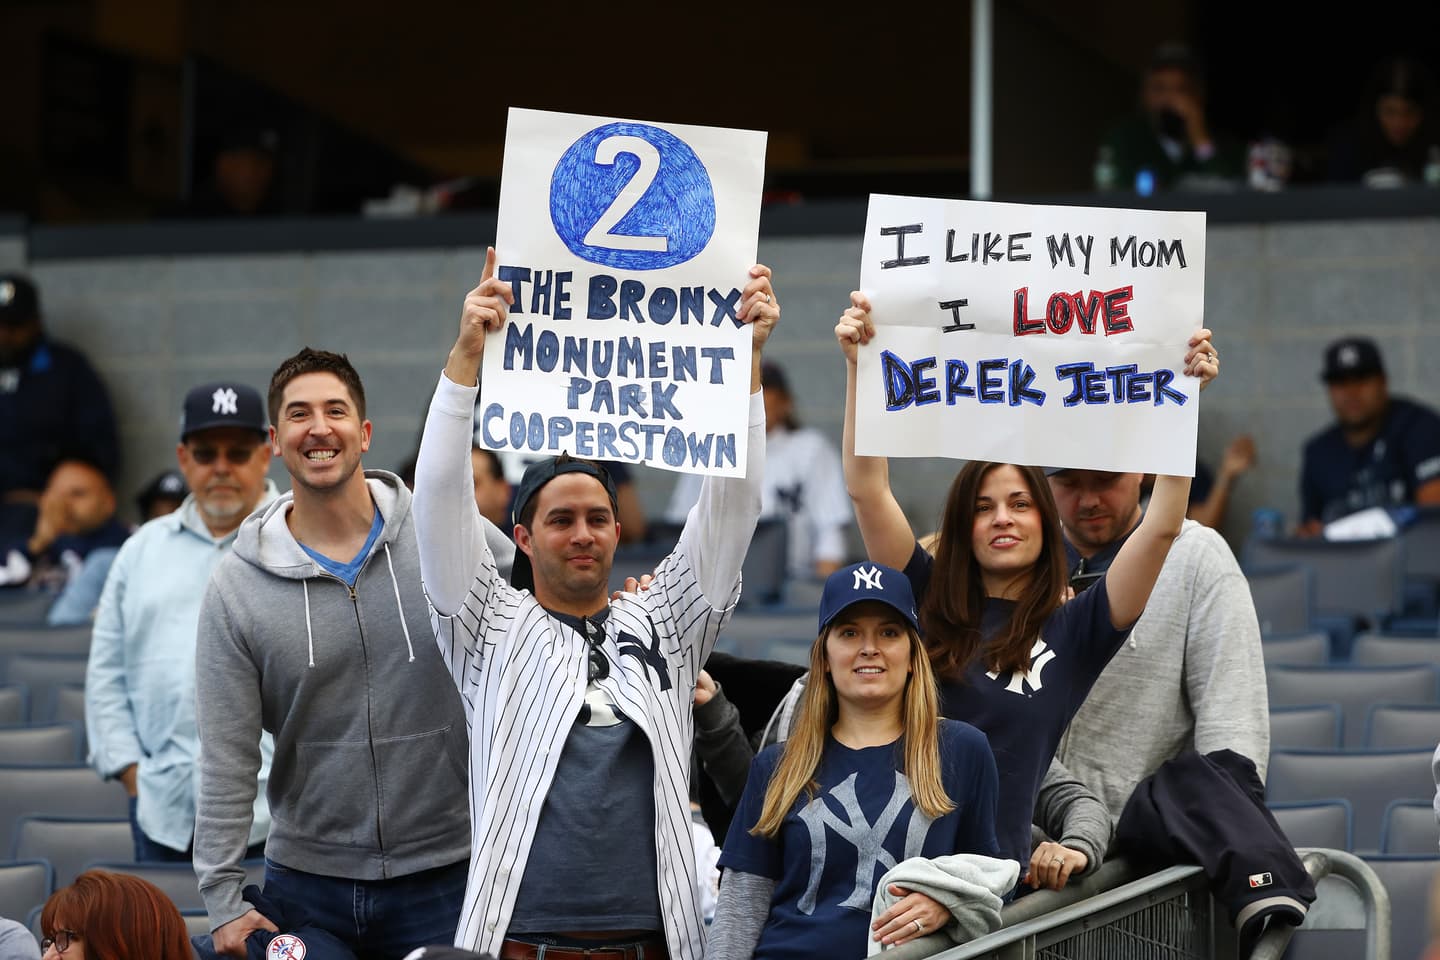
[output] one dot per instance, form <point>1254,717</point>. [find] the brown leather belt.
<point>652,949</point>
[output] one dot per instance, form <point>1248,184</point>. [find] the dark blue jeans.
<point>148,851</point>
<point>378,919</point>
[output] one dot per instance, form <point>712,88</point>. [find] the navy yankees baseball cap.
<point>867,581</point>
<point>19,301</point>
<point>1352,358</point>
<point>223,404</point>
<point>539,473</point>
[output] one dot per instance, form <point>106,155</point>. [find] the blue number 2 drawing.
<point>633,197</point>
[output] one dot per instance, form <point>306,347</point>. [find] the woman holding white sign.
<point>1013,658</point>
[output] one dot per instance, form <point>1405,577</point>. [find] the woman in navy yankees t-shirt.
<point>1013,658</point>
<point>871,776</point>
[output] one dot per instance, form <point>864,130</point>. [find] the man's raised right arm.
<point>448,527</point>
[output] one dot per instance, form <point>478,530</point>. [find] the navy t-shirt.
<point>1025,714</point>
<point>1337,479</point>
<point>833,849</point>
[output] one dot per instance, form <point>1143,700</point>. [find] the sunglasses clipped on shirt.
<point>61,941</point>
<point>236,456</point>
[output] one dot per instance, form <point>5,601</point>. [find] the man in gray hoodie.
<point>316,629</point>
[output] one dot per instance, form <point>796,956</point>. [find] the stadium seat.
<point>24,608</point>
<point>1402,726</point>
<point>1410,829</point>
<point>24,885</point>
<point>14,704</point>
<point>1305,649</point>
<point>1377,649</point>
<point>1321,823</point>
<point>42,672</point>
<point>62,791</point>
<point>1368,779</point>
<point>69,843</point>
<point>751,632</point>
<point>766,565</point>
<point>50,744</point>
<point>1353,688</point>
<point>69,705</point>
<point>176,880</point>
<point>1310,727</point>
<point>52,640</point>
<point>1408,880</point>
<point>1354,578</point>
<point>1283,597</point>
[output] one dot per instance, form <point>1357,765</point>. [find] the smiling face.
<point>1008,531</point>
<point>570,541</point>
<point>867,655</point>
<point>319,432</point>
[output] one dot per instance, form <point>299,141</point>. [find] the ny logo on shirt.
<point>648,656</point>
<point>1040,655</point>
<point>867,838</point>
<point>792,498</point>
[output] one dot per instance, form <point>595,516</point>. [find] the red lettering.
<point>1117,319</point>
<point>1024,325</point>
<point>1058,316</point>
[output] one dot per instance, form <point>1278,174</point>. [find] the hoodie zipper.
<point>369,712</point>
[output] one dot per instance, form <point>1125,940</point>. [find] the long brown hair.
<point>118,917</point>
<point>955,601</point>
<point>819,708</point>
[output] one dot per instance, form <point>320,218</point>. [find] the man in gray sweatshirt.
<point>1191,674</point>
<point>316,629</point>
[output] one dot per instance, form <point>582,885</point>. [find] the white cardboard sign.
<point>1032,334</point>
<point>627,245</point>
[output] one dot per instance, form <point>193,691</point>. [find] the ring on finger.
<point>769,299</point>
<point>919,927</point>
<point>1057,860</point>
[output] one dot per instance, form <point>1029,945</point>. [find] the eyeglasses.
<point>235,455</point>
<point>61,941</point>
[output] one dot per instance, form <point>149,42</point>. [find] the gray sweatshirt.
<point>370,770</point>
<point>1190,675</point>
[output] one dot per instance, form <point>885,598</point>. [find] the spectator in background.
<point>140,678</point>
<point>803,484</point>
<point>241,180</point>
<point>51,401</point>
<point>1389,141</point>
<point>1170,142</point>
<point>162,495</point>
<point>492,490</point>
<point>113,916</point>
<point>1382,451</point>
<point>76,516</point>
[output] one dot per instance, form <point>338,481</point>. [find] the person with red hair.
<point>112,916</point>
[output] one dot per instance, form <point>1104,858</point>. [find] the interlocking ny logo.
<point>869,577</point>
<point>224,401</point>
<point>1039,656</point>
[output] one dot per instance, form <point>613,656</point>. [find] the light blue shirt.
<point>140,682</point>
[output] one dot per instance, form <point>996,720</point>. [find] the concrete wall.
<point>1275,294</point>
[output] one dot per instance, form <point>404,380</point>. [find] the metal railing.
<point>1119,914</point>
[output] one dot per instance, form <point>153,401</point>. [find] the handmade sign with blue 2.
<point>627,245</point>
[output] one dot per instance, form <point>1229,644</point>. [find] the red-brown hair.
<point>118,917</point>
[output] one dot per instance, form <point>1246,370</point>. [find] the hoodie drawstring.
<point>309,636</point>
<point>398,605</point>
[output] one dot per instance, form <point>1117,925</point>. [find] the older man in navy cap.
<point>140,681</point>
<point>1381,451</point>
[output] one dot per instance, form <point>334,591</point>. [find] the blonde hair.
<point>819,708</point>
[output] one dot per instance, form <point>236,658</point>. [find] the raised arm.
<point>448,528</point>
<point>888,536</point>
<point>718,530</point>
<point>1132,574</point>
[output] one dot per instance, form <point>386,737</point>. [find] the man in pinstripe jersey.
<point>579,708</point>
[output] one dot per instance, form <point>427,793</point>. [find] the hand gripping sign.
<point>626,245</point>
<point>1030,334</point>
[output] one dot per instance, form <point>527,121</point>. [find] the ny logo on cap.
<point>1349,356</point>
<point>870,578</point>
<point>7,292</point>
<point>224,401</point>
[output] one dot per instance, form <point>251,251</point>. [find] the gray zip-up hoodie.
<point>369,779</point>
